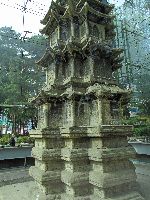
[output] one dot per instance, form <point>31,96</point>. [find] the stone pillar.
<point>77,167</point>
<point>86,28</point>
<point>75,175</point>
<point>72,67</point>
<point>72,29</point>
<point>46,114</point>
<point>113,174</point>
<point>58,32</point>
<point>47,154</point>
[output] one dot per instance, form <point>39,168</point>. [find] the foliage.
<point>4,140</point>
<point>25,139</point>
<point>132,35</point>
<point>141,125</point>
<point>20,77</point>
<point>142,131</point>
<point>145,106</point>
<point>143,89</point>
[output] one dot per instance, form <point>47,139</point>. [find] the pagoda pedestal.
<point>48,166</point>
<point>47,154</point>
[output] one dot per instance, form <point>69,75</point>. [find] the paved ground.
<point>27,189</point>
<point>143,178</point>
<point>14,175</point>
<point>20,191</point>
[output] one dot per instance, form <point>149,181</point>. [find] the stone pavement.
<point>20,191</point>
<point>14,175</point>
<point>143,178</point>
<point>29,190</point>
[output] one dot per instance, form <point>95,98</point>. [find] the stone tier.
<point>77,168</point>
<point>109,172</point>
<point>48,163</point>
<point>87,47</point>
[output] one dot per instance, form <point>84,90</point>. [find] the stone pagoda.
<point>81,150</point>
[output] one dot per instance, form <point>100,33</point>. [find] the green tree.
<point>20,77</point>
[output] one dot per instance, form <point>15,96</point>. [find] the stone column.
<point>59,32</point>
<point>86,28</point>
<point>72,29</point>
<point>72,67</point>
<point>48,163</point>
<point>113,174</point>
<point>75,175</point>
<point>46,114</point>
<point>77,167</point>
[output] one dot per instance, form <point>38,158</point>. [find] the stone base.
<point>71,197</point>
<point>48,197</point>
<point>82,166</point>
<point>132,196</point>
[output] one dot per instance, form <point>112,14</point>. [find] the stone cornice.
<point>86,48</point>
<point>69,92</point>
<point>44,177</point>
<point>46,154</point>
<point>108,7</point>
<point>87,8</point>
<point>103,131</point>
<point>111,154</point>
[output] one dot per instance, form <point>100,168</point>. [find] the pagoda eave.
<point>47,58</point>
<point>41,98</point>
<point>108,7</point>
<point>46,18</point>
<point>54,7</point>
<point>109,91</point>
<point>88,9</point>
<point>116,67</point>
<point>116,52</point>
<point>51,24</point>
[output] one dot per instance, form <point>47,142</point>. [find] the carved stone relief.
<point>55,114</point>
<point>65,30</point>
<point>79,66</point>
<point>82,112</point>
<point>97,30</point>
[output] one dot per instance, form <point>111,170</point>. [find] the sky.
<point>12,14</point>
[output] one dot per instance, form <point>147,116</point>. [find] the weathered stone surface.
<point>44,177</point>
<point>111,154</point>
<point>81,150</point>
<point>130,196</point>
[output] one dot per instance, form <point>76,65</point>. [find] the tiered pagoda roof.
<point>62,50</point>
<point>95,90</point>
<point>85,49</point>
<point>94,10</point>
